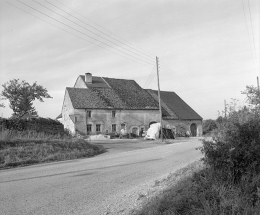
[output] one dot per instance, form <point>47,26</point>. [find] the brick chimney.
<point>88,78</point>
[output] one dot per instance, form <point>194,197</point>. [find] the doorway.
<point>135,131</point>
<point>193,129</point>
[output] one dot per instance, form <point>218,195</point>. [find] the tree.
<point>208,126</point>
<point>1,104</point>
<point>253,96</point>
<point>21,96</point>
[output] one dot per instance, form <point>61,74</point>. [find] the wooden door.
<point>193,129</point>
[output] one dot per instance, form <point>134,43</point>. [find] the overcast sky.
<point>208,50</point>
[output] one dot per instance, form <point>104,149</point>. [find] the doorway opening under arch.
<point>193,129</point>
<point>135,131</point>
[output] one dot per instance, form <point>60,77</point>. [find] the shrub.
<point>39,125</point>
<point>236,152</point>
<point>208,126</point>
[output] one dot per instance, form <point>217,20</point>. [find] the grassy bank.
<point>197,190</point>
<point>26,148</point>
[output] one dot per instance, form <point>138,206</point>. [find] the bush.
<point>39,125</point>
<point>208,126</point>
<point>237,150</point>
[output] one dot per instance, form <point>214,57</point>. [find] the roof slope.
<point>96,82</point>
<point>132,94</point>
<point>85,98</point>
<point>116,94</point>
<point>178,106</point>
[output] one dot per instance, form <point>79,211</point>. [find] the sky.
<point>208,50</point>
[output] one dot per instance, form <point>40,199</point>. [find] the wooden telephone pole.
<point>159,96</point>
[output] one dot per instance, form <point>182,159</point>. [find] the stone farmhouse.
<point>106,105</point>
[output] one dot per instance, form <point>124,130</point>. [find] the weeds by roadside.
<point>229,184</point>
<point>26,148</point>
<point>199,191</point>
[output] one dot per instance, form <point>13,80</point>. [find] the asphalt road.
<point>105,184</point>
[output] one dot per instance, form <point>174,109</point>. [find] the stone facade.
<point>182,126</point>
<point>113,120</point>
<point>80,83</point>
<point>77,120</point>
<point>104,105</point>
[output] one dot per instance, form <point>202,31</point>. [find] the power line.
<point>150,78</point>
<point>252,28</point>
<point>174,76</point>
<point>248,34</point>
<point>142,62</point>
<point>183,84</point>
<point>100,30</point>
<point>103,28</point>
<point>88,29</point>
<point>83,33</point>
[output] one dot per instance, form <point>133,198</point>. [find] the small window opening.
<point>113,127</point>
<point>89,113</point>
<point>113,114</point>
<point>98,127</point>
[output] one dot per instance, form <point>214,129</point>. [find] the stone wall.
<point>80,83</point>
<point>184,125</point>
<point>67,112</point>
<point>133,119</point>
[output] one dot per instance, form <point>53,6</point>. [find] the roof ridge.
<point>121,79</point>
<point>106,82</point>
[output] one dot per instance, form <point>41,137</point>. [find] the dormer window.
<point>113,114</point>
<point>89,113</point>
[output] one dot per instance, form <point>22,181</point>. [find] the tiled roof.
<point>132,94</point>
<point>96,82</point>
<point>178,106</point>
<point>167,113</point>
<point>117,94</point>
<point>85,98</point>
<point>113,93</point>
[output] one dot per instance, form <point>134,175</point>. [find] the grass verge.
<point>196,190</point>
<point>21,152</point>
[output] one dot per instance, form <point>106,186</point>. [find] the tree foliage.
<point>21,96</point>
<point>236,150</point>
<point>253,96</point>
<point>208,126</point>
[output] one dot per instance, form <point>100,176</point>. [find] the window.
<point>113,114</point>
<point>123,126</point>
<point>89,113</point>
<point>113,127</point>
<point>98,127</point>
<point>89,128</point>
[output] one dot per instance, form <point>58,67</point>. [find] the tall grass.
<point>230,181</point>
<point>19,148</point>
<point>203,193</point>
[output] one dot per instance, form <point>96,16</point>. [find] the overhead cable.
<point>84,33</point>
<point>140,61</point>
<point>89,30</point>
<point>123,43</point>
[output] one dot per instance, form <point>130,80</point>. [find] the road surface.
<point>105,184</point>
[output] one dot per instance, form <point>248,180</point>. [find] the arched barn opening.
<point>135,131</point>
<point>123,125</point>
<point>193,129</point>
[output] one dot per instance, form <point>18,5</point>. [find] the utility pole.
<point>159,96</point>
